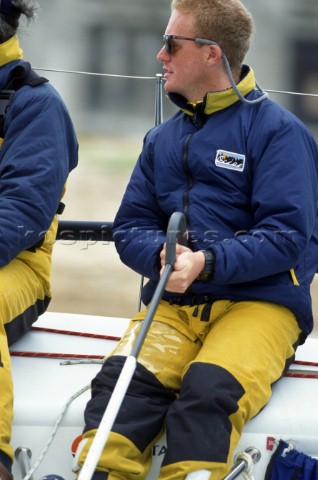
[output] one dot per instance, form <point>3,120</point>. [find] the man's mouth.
<point>167,72</point>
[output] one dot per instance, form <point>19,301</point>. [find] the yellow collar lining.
<point>216,101</point>
<point>219,100</point>
<point>10,51</point>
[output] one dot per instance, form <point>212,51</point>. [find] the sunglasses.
<point>168,41</point>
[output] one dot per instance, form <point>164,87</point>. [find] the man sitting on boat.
<point>244,172</point>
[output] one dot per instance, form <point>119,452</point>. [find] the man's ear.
<point>215,54</point>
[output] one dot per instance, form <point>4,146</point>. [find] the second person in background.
<point>38,150</point>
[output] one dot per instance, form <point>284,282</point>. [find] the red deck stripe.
<point>54,355</point>
<point>78,334</point>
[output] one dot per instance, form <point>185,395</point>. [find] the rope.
<point>84,359</point>
<point>247,474</point>
<point>83,362</point>
<point>291,446</point>
<point>52,436</point>
<point>79,334</point>
<point>54,355</point>
<point>303,362</point>
<point>301,374</point>
<point>291,373</point>
<point>78,72</point>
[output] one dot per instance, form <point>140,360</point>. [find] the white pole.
<point>175,232</point>
<point>108,419</point>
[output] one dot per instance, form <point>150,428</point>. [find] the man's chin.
<point>169,87</point>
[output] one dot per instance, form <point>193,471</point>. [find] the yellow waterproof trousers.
<point>24,295</point>
<point>203,372</point>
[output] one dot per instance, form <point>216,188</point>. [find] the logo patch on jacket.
<point>230,160</point>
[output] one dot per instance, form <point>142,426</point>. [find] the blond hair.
<point>227,22</point>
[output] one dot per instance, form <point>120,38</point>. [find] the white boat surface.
<point>43,386</point>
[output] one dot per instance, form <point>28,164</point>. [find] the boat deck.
<point>44,384</point>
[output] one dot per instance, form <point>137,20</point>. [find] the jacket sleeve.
<point>283,202</point>
<point>38,151</point>
<point>139,226</point>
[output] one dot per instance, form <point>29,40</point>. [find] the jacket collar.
<point>10,51</point>
<point>216,101</point>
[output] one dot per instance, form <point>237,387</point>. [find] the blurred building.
<point>123,37</point>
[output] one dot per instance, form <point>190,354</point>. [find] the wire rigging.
<point>134,77</point>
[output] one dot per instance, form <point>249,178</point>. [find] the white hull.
<point>43,386</point>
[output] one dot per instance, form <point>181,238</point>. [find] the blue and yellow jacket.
<point>37,153</point>
<point>246,176</point>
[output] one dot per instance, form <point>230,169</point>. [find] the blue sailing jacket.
<point>246,176</point>
<point>38,152</point>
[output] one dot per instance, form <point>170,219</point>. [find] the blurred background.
<point>111,114</point>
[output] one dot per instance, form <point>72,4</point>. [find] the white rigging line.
<point>76,72</point>
<point>94,74</point>
<point>292,93</point>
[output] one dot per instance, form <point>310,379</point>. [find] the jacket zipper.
<point>189,178</point>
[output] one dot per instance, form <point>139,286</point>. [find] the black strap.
<point>60,208</point>
<point>5,100</point>
<point>21,75</point>
<point>24,75</point>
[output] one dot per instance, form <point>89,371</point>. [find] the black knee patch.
<point>99,476</point>
<point>143,409</point>
<point>198,423</point>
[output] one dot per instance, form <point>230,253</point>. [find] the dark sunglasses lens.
<point>168,44</point>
